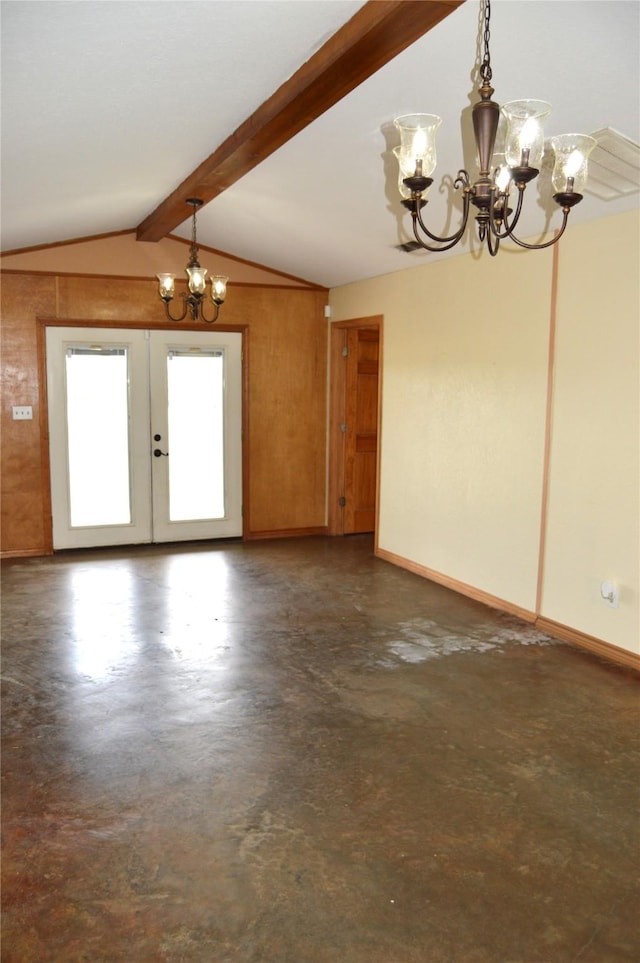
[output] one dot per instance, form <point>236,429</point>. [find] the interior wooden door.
<point>361,434</point>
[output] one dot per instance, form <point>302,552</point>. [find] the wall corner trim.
<point>460,587</point>
<point>604,649</point>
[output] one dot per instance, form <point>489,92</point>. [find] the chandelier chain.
<point>194,243</point>
<point>485,69</point>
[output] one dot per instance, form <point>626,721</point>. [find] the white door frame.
<point>229,343</point>
<point>80,325</point>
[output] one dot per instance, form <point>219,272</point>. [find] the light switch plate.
<point>22,413</point>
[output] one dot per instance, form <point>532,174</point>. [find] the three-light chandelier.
<point>490,194</point>
<point>195,300</point>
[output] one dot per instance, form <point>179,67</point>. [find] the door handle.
<point>157,453</point>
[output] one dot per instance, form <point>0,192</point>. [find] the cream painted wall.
<point>463,422</point>
<point>593,531</point>
<point>464,389</point>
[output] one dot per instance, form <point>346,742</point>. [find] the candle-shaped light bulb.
<point>218,288</point>
<point>197,278</point>
<point>166,286</point>
<point>571,157</point>
<point>417,144</point>
<point>524,141</point>
<point>502,174</point>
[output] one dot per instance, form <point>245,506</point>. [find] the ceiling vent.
<point>614,166</point>
<point>408,247</point>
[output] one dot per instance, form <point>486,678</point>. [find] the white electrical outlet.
<point>611,594</point>
<point>22,413</point>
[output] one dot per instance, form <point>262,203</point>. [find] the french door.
<point>145,435</point>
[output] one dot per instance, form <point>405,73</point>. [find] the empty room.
<point>320,481</point>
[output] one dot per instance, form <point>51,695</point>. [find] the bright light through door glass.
<point>98,435</point>
<point>195,384</point>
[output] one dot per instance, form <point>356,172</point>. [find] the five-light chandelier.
<point>195,300</point>
<point>490,193</point>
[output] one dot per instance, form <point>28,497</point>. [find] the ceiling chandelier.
<point>490,194</point>
<point>195,300</point>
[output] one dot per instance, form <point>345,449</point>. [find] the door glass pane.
<point>97,398</point>
<point>195,383</point>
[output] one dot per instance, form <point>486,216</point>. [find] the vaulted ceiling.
<point>114,112</point>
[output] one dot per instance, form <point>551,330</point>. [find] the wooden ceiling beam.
<point>377,33</point>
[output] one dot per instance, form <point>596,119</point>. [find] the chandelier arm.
<point>416,234</point>
<point>493,243</point>
<point>452,241</point>
<point>538,247</point>
<point>509,226</point>
<point>461,179</point>
<point>168,312</point>
<point>216,312</point>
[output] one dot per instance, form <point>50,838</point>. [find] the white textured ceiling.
<point>107,106</point>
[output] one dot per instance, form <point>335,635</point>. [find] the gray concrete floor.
<point>292,752</point>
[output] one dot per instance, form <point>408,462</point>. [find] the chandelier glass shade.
<point>195,301</point>
<point>503,178</point>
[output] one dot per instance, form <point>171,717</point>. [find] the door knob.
<point>157,453</point>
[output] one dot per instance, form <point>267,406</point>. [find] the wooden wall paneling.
<point>118,300</point>
<point>287,409</point>
<point>284,391</point>
<point>23,519</point>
